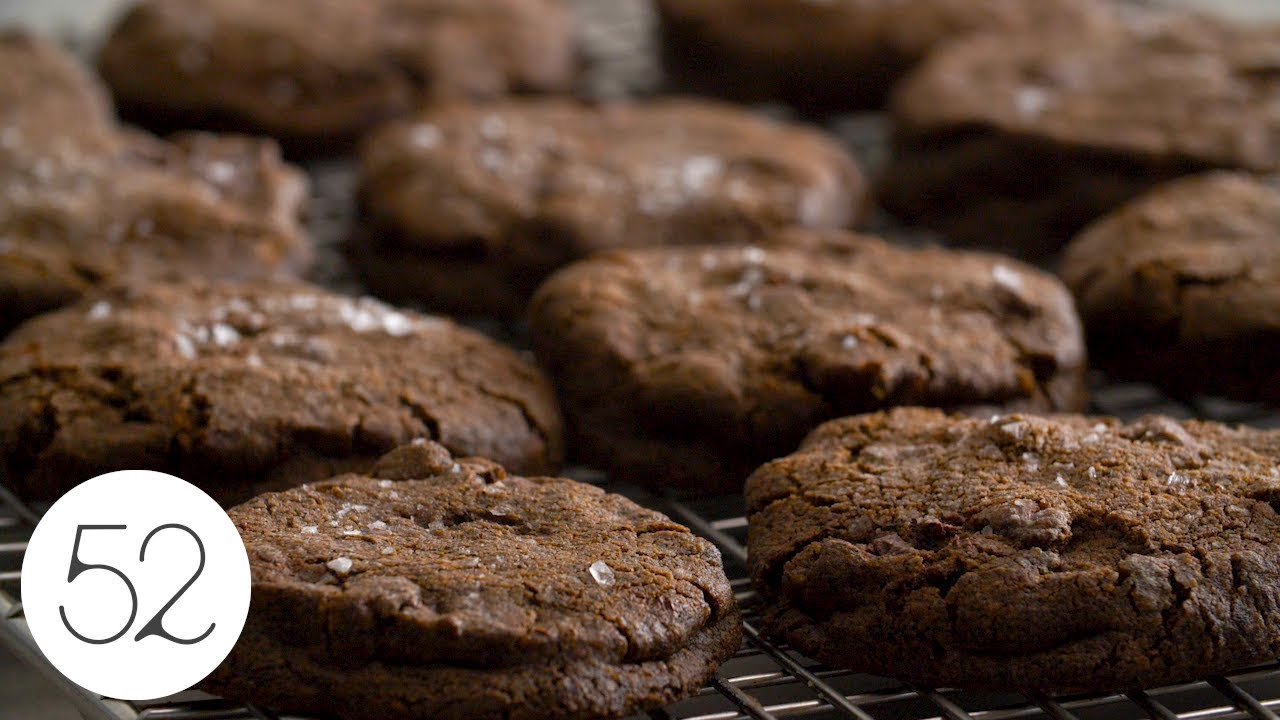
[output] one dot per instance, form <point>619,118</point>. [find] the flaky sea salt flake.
<point>220,172</point>
<point>224,335</point>
<point>425,136</point>
<point>1007,277</point>
<point>397,324</point>
<point>699,170</point>
<point>1031,101</point>
<point>184,346</point>
<point>601,573</point>
<point>492,127</point>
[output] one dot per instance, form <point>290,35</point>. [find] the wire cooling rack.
<point>764,680</point>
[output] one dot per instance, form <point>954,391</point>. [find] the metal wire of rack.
<point>764,680</point>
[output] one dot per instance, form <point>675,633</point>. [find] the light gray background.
<point>92,13</point>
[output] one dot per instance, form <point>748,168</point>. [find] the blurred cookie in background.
<point>1181,287</point>
<point>832,55</point>
<point>1018,142</point>
<point>85,202</point>
<point>49,99</point>
<point>468,208</point>
<point>316,73</point>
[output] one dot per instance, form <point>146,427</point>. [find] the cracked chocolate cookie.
<point>317,73</point>
<point>469,208</point>
<point>85,202</point>
<point>688,367</point>
<point>239,386</point>
<point>441,588</point>
<point>1023,553</point>
<point>1182,287</point>
<point>836,55</point>
<point>1019,143</point>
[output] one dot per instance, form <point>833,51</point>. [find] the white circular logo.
<point>135,585</point>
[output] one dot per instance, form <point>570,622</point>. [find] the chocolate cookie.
<point>1182,287</point>
<point>688,367</point>
<point>46,97</point>
<point>1023,553</point>
<point>1020,142</point>
<point>316,73</point>
<point>836,55</point>
<point>435,588</point>
<point>469,208</point>
<point>85,202</point>
<point>232,386</point>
